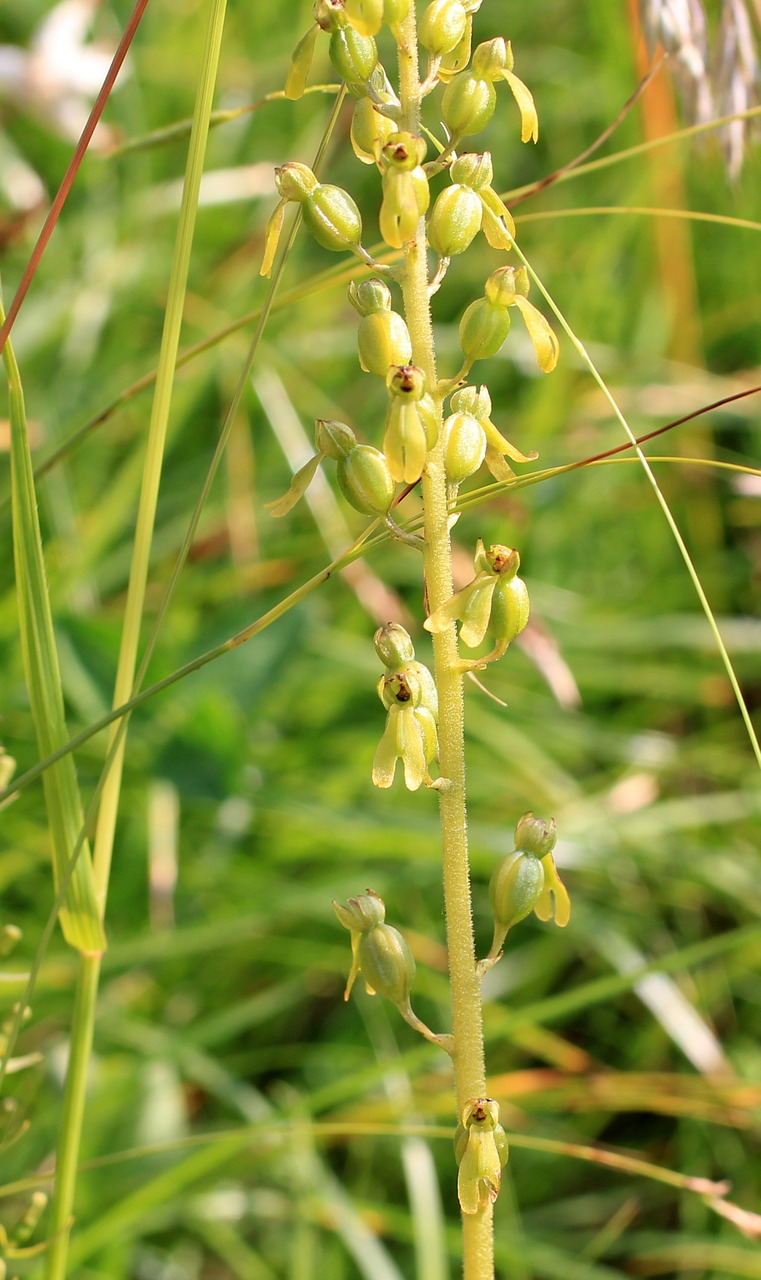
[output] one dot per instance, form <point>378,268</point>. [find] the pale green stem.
<point>467,1016</point>
<point>83,1019</point>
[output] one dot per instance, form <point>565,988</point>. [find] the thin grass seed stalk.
<point>418,445</point>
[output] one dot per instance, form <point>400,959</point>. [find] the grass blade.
<point>79,915</point>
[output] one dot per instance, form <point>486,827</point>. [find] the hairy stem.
<point>467,1017</point>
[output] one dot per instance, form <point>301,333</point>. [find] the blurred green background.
<point>247,804</point>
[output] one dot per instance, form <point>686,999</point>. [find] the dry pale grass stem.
<point>716,77</point>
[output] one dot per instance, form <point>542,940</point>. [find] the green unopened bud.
<point>362,913</point>
<point>474,169</point>
<point>481,1152</point>
<point>505,284</point>
<point>468,104</point>
<point>475,400</point>
<point>464,446</point>
<point>483,329</point>
<point>442,26</point>
<point>329,14</point>
<point>365,480</point>
<point>353,55</point>
<point>492,58</point>
<point>334,439</point>
<point>393,645</point>
<point>370,131</point>
<point>535,835</point>
<point>370,296</point>
<point>295,181</point>
<point>455,220</point>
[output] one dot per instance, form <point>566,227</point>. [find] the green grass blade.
<point>79,915</point>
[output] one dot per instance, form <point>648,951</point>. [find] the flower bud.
<point>365,480</point>
<point>455,220</point>
<point>353,56</point>
<point>295,181</point>
<point>362,913</point>
<point>393,645</point>
<point>535,835</point>
<point>334,439</point>
<point>475,400</point>
<point>442,26</point>
<point>483,329</point>
<point>492,58</point>
<point>468,104</point>
<point>515,888</point>
<point>504,285</point>
<point>474,169</point>
<point>464,446</point>
<point>370,131</point>
<point>329,14</point>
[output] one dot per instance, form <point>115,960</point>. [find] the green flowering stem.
<point>467,1016</point>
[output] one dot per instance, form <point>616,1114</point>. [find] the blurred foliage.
<point>222,1025</point>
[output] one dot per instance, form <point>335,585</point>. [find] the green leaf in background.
<point>80,919</point>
